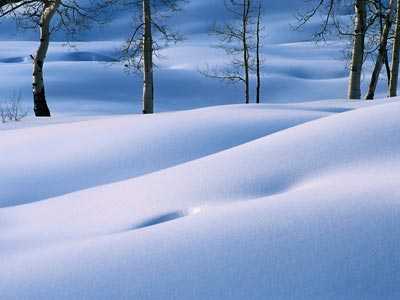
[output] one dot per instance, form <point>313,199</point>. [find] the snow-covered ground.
<point>294,201</point>
<point>85,79</point>
<point>296,198</point>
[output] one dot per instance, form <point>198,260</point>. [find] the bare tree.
<point>68,15</point>
<point>39,97</point>
<point>382,57</point>
<point>360,28</point>
<point>12,109</point>
<point>150,34</point>
<point>148,80</point>
<point>362,22</point>
<point>395,56</point>
<point>246,46</point>
<point>238,39</point>
<point>258,54</point>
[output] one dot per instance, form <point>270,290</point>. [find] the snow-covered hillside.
<point>294,201</point>
<point>295,198</point>
<point>296,69</point>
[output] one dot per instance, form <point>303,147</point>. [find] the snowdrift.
<point>74,156</point>
<point>234,202</point>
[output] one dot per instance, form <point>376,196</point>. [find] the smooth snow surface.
<point>293,199</point>
<point>296,201</point>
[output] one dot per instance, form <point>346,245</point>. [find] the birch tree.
<point>259,29</point>
<point>362,22</point>
<point>236,38</point>
<point>150,34</point>
<point>148,80</point>
<point>39,96</point>
<point>395,56</point>
<point>48,16</point>
<point>382,57</point>
<point>357,59</point>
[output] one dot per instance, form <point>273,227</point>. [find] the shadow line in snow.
<point>165,218</point>
<point>12,60</point>
<point>337,110</point>
<point>161,219</point>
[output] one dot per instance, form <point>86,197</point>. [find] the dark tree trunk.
<point>382,55</point>
<point>387,66</point>
<point>395,57</point>
<point>148,87</point>
<point>40,105</point>
<point>258,54</point>
<point>246,55</point>
<point>358,49</point>
<point>39,96</point>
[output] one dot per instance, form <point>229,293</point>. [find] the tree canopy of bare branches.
<point>149,35</point>
<point>47,17</point>
<point>239,38</point>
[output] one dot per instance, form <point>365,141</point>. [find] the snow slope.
<point>296,69</point>
<point>296,201</point>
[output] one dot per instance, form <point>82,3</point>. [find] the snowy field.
<point>233,202</point>
<point>295,198</point>
<point>82,78</point>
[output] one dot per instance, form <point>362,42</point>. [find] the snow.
<point>75,73</point>
<point>232,202</point>
<point>296,198</point>
<point>82,77</point>
<point>98,152</point>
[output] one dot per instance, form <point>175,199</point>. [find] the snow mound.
<point>301,211</point>
<point>85,154</point>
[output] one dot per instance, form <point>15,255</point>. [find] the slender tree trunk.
<point>148,87</point>
<point>387,66</point>
<point>246,53</point>
<point>39,96</point>
<point>358,50</point>
<point>394,77</point>
<point>258,54</point>
<point>382,55</point>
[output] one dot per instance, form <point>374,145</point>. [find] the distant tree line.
<point>374,31</point>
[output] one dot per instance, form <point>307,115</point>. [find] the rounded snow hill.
<point>306,210</point>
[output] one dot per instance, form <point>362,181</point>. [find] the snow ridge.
<point>296,201</point>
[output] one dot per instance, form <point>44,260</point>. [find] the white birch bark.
<point>40,105</point>
<point>148,87</point>
<point>382,55</point>
<point>258,59</point>
<point>395,57</point>
<point>354,91</point>
<point>246,51</point>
